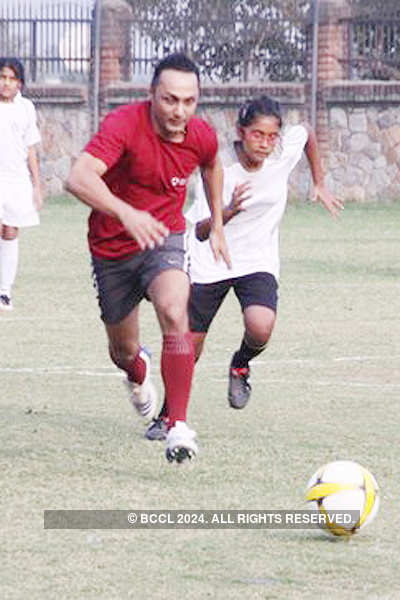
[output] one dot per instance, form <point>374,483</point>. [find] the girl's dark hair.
<point>264,106</point>
<point>178,62</point>
<point>15,65</point>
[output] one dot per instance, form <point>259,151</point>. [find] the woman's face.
<point>260,138</point>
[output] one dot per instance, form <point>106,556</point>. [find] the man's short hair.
<point>15,65</point>
<point>177,62</point>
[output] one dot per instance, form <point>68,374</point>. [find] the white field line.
<point>302,361</point>
<point>97,372</point>
<point>309,381</point>
<point>110,371</point>
<point>202,364</point>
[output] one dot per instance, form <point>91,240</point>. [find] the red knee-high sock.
<point>137,369</point>
<point>177,364</point>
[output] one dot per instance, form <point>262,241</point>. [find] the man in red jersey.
<point>133,174</point>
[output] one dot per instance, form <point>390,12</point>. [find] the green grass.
<point>326,388</point>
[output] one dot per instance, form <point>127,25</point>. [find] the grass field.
<point>327,388</point>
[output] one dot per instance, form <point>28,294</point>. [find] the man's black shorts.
<point>206,298</point>
<point>121,284</point>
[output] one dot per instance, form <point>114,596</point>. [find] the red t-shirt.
<point>145,171</point>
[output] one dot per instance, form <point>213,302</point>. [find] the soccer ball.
<point>342,486</point>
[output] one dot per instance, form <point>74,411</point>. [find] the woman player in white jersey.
<point>255,196</point>
<point>20,190</point>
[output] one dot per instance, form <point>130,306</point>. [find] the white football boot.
<point>180,443</point>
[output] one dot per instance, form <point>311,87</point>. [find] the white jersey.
<point>252,235</point>
<point>18,131</point>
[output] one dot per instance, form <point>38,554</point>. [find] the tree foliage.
<point>230,39</point>
<point>261,40</point>
<point>372,8</point>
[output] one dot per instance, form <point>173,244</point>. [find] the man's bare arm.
<point>86,183</point>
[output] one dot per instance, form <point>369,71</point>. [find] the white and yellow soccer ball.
<point>339,488</point>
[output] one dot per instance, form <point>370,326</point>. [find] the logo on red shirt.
<point>178,181</point>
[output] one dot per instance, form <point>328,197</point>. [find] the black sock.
<point>163,411</point>
<point>245,353</point>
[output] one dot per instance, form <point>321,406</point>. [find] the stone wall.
<point>363,157</point>
<point>362,133</point>
<point>362,160</point>
<point>64,121</point>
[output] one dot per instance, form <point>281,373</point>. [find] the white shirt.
<point>252,235</point>
<point>18,131</point>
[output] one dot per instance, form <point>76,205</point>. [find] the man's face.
<point>173,102</point>
<point>9,85</point>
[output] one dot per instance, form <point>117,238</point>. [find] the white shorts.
<point>16,204</point>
